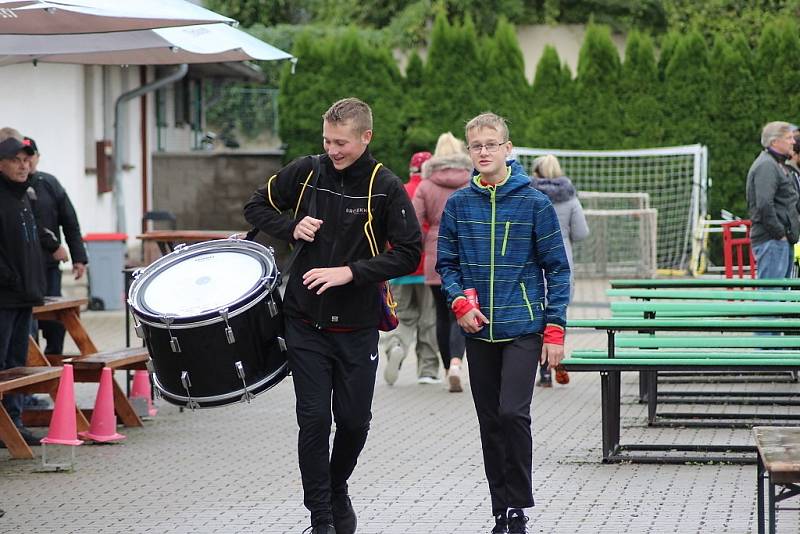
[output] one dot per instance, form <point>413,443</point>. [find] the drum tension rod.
<point>240,371</point>
<point>173,341</point>
<point>273,308</point>
<point>152,371</point>
<point>137,327</point>
<point>228,330</point>
<point>187,384</point>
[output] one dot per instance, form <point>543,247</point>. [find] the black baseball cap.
<point>13,146</point>
<point>27,141</point>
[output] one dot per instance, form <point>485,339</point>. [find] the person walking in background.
<point>500,238</point>
<point>447,171</point>
<point>550,180</point>
<point>415,311</point>
<point>772,202</point>
<point>54,214</point>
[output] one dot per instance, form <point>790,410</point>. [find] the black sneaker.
<point>517,521</point>
<point>500,524</point>
<point>344,517</point>
<point>320,528</point>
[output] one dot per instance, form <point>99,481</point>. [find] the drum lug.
<point>135,274</point>
<point>282,344</point>
<point>179,248</point>
<point>228,330</point>
<point>149,365</point>
<point>273,308</point>
<point>173,341</point>
<point>137,327</point>
<point>240,371</point>
<point>187,384</point>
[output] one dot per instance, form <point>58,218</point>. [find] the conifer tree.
<point>549,125</point>
<point>668,44</point>
<point>778,50</point>
<point>418,137</point>
<point>642,115</point>
<point>734,137</point>
<point>598,115</point>
<point>686,89</point>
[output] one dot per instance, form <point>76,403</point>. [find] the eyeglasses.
<point>490,147</point>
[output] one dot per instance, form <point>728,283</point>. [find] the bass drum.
<point>210,315</point>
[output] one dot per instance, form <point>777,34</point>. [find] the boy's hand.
<point>552,354</point>
<point>327,277</point>
<point>472,321</point>
<point>306,229</point>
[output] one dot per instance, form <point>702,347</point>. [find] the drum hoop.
<point>225,396</point>
<point>204,322</point>
<point>192,250</point>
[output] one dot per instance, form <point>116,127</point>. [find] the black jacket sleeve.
<point>68,220</point>
<point>270,208</point>
<point>403,234</point>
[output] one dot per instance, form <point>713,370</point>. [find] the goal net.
<point>668,185</point>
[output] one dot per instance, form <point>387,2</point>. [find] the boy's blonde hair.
<point>489,120</point>
<point>448,144</point>
<point>350,109</point>
<point>547,166</point>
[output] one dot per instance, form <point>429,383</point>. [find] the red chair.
<point>730,243</point>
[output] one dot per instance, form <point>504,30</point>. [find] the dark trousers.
<point>53,331</point>
<point>502,377</point>
<point>449,337</point>
<point>15,326</point>
<point>330,370</point>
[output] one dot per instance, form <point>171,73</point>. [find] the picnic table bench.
<point>778,465</point>
<point>704,309</point>
<point>21,380</point>
<point>653,283</point>
<point>610,363</point>
<point>705,294</point>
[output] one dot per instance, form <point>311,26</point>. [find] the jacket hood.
<point>516,180</point>
<point>557,189</point>
<point>448,171</point>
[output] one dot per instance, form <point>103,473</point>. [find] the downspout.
<point>119,129</point>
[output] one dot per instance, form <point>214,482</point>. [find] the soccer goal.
<point>638,201</point>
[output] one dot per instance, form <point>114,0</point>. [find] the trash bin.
<point>106,262</point>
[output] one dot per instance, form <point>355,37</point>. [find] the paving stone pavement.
<point>234,469</point>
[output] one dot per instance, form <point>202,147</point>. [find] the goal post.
<point>672,181</point>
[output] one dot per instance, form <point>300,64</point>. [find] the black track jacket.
<point>341,203</point>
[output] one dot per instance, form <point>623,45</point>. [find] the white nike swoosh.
<point>373,357</point>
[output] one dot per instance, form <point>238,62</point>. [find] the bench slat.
<point>722,325</point>
<point>713,308</point>
<point>706,294</point>
<point>704,282</point>
<point>655,354</point>
<point>789,363</point>
<point>17,377</point>
<point>114,359</point>
<point>647,341</point>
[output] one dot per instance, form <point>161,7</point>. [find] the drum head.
<point>203,278</point>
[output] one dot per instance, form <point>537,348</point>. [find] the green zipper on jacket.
<point>505,238</point>
<point>493,191</point>
<point>525,298</point>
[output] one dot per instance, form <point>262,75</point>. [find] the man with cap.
<point>21,266</point>
<point>54,214</point>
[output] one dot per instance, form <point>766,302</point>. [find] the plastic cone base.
<point>103,427</point>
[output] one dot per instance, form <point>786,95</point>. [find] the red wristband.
<point>553,335</point>
<point>461,306</point>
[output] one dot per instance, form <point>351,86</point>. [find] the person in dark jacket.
<point>21,268</point>
<point>54,214</point>
<point>772,202</point>
<point>332,304</point>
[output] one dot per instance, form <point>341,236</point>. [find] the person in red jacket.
<point>415,309</point>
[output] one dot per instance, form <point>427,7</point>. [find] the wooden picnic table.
<point>652,283</point>
<point>67,310</point>
<point>167,240</point>
<point>778,463</point>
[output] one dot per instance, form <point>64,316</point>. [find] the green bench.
<point>694,283</point>
<point>705,294</point>
<point>610,369</point>
<point>611,362</point>
<point>704,309</point>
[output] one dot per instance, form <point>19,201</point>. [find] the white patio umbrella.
<point>44,17</point>
<point>205,43</point>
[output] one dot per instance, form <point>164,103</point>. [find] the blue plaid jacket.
<point>505,242</point>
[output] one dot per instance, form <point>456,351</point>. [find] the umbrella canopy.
<point>206,43</point>
<point>44,17</point>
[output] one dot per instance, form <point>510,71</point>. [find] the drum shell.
<point>210,360</point>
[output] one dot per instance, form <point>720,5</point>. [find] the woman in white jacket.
<point>550,180</point>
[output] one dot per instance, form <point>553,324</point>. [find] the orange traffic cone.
<point>141,389</point>
<point>103,427</point>
<point>63,426</point>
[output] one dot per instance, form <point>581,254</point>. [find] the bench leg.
<point>125,412</point>
<point>771,504</point>
<point>760,492</point>
<point>652,395</point>
<point>610,391</point>
<point>12,438</point>
<point>642,387</point>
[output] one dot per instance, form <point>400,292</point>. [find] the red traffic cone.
<point>103,427</point>
<point>63,426</point>
<point>141,389</point>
